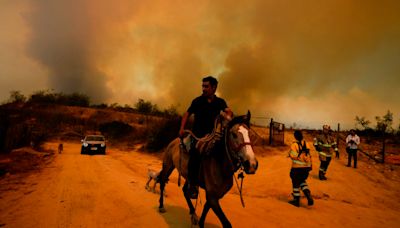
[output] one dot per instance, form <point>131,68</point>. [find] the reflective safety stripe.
<point>336,149</point>
<point>299,162</point>
<point>296,194</point>
<point>321,169</point>
<point>327,145</point>
<point>303,184</point>
<point>322,153</point>
<point>296,189</point>
<point>294,153</point>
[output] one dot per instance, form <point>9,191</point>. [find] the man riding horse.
<point>205,109</point>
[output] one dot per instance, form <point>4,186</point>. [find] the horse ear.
<point>247,118</point>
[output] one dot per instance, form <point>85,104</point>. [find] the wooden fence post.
<point>383,147</point>
<point>270,131</point>
<point>337,135</point>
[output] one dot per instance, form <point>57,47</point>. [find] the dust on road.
<point>109,191</point>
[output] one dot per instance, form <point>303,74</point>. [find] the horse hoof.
<point>161,210</point>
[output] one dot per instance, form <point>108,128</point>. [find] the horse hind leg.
<point>206,208</point>
<point>192,210</point>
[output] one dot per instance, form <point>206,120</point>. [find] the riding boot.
<point>295,201</point>
<point>310,200</point>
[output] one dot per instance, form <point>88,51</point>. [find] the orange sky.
<point>303,62</point>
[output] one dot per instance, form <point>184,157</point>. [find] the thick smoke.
<point>69,39</point>
<point>297,61</point>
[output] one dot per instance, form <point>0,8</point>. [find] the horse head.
<point>239,145</point>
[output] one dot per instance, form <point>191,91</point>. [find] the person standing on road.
<point>60,148</point>
<point>205,109</point>
<point>301,166</point>
<point>324,143</point>
<point>352,142</point>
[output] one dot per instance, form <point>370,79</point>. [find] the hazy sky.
<point>304,62</point>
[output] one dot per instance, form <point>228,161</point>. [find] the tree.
<point>145,107</point>
<point>17,97</point>
<point>362,122</point>
<point>384,123</point>
<point>171,111</point>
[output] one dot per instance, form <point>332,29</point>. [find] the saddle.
<point>206,144</point>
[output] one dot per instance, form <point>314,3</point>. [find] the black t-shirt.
<point>205,113</point>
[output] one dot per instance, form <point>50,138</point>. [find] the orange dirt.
<point>109,191</point>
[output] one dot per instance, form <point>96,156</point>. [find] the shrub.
<point>116,129</point>
<point>162,133</point>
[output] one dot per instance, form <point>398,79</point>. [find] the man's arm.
<point>183,123</point>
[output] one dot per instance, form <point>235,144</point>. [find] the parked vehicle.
<point>93,144</point>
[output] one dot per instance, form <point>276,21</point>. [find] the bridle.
<point>238,161</point>
<point>239,147</point>
<point>232,150</point>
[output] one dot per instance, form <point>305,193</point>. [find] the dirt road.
<point>108,191</point>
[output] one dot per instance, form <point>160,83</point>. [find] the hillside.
<point>24,125</point>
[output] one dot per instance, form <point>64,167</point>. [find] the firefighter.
<point>324,144</point>
<point>301,166</point>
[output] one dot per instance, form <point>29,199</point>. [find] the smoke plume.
<point>297,61</point>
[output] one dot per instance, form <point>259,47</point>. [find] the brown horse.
<point>232,151</point>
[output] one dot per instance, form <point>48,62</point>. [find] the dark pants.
<point>299,177</point>
<point>193,164</point>
<point>352,153</point>
<point>324,165</point>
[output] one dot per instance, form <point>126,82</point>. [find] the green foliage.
<point>116,129</point>
<point>17,97</point>
<point>384,123</point>
<point>100,106</point>
<point>48,97</point>
<point>171,111</point>
<point>163,133</point>
<point>361,121</point>
<point>145,107</point>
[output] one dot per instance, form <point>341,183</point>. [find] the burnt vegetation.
<point>45,115</point>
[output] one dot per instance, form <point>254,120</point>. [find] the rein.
<point>240,175</point>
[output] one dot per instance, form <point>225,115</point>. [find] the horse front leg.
<point>192,210</point>
<point>163,178</point>
<point>206,208</point>
<point>214,204</point>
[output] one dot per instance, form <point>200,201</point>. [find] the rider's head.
<point>209,86</point>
